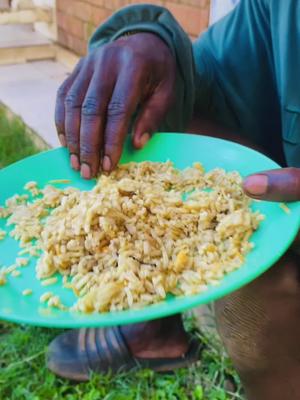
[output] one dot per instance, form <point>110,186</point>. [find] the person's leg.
<point>260,327</point>
<point>260,323</point>
<point>161,345</point>
<point>163,337</point>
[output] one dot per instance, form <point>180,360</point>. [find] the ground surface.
<point>29,90</point>
<point>23,375</point>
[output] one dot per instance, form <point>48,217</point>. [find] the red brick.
<point>77,45</point>
<point>64,6</point>
<point>155,2</point>
<point>97,3</point>
<point>115,4</point>
<point>60,19</point>
<point>70,25</point>
<point>62,37</point>
<point>77,19</point>
<point>197,3</point>
<point>76,27</point>
<point>100,15</point>
<point>82,10</point>
<point>193,19</point>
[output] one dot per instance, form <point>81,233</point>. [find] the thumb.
<point>274,185</point>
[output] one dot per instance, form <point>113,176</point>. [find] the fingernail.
<point>62,140</point>
<point>144,139</point>
<point>85,171</point>
<point>75,162</point>
<point>256,185</point>
<point>106,164</point>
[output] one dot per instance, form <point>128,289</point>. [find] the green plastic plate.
<point>271,240</point>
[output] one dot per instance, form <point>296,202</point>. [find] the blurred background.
<point>42,40</point>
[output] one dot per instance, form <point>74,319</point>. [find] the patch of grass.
<point>14,144</point>
<point>23,375</point>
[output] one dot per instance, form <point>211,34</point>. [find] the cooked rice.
<point>285,208</point>
<point>10,269</point>
<point>45,297</point>
<point>2,278</point>
<point>22,261</point>
<point>49,281</point>
<point>59,181</point>
<point>27,292</point>
<point>32,188</point>
<point>132,239</point>
<point>2,234</point>
<point>55,301</point>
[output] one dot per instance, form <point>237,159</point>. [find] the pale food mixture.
<point>144,231</point>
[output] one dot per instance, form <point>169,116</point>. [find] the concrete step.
<point>29,91</point>
<point>25,16</point>
<point>15,35</point>
<point>21,43</point>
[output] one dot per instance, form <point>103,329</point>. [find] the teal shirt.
<point>243,72</point>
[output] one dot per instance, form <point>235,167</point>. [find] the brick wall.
<point>77,19</point>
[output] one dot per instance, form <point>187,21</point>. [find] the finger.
<point>153,112</point>
<point>121,107</point>
<point>73,104</point>
<point>93,119</point>
<point>59,116</point>
<point>275,185</point>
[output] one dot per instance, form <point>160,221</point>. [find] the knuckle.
<point>72,141</point>
<point>90,107</point>
<point>61,91</point>
<point>129,52</point>
<point>109,55</point>
<point>116,109</point>
<point>87,150</point>
<point>108,49</point>
<point>112,145</point>
<point>135,58</point>
<point>71,100</point>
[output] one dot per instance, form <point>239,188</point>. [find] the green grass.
<point>23,375</point>
<point>14,144</point>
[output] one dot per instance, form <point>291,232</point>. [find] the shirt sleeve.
<point>158,20</point>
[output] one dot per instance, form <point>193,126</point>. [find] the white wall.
<point>219,8</point>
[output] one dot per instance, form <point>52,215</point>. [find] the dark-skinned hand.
<point>276,185</point>
<point>97,102</point>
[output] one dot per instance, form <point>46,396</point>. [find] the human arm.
<point>148,75</point>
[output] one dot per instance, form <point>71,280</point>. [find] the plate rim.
<point>173,307</point>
